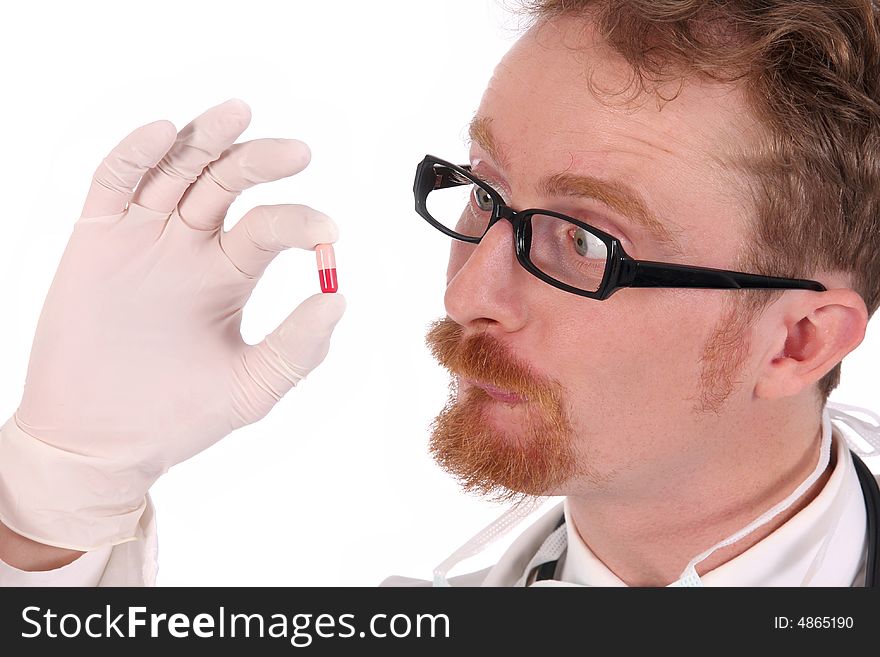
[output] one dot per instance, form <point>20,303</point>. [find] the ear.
<point>813,332</point>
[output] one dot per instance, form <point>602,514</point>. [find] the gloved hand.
<point>138,362</point>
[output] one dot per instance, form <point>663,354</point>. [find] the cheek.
<point>642,352</point>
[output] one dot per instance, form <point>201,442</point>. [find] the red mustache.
<point>486,359</point>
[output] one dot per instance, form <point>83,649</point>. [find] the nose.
<point>485,283</point>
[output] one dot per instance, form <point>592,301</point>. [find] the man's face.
<point>612,391</point>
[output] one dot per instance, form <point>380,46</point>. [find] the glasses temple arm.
<point>436,176</point>
<point>645,273</point>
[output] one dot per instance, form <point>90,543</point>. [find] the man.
<point>685,421</point>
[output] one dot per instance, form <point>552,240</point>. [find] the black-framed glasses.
<point>561,250</point>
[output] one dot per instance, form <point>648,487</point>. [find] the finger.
<point>201,141</point>
<point>116,177</point>
<point>205,204</point>
<point>287,355</point>
<point>267,230</point>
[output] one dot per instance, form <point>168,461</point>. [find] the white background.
<point>335,485</point>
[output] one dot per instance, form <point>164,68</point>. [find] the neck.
<point>647,536</point>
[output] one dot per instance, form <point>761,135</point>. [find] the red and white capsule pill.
<point>326,258</point>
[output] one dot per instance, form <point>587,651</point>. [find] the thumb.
<point>288,354</point>
<point>302,340</point>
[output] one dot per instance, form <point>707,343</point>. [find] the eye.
<point>483,199</point>
<point>587,244</point>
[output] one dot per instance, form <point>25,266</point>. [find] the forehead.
<point>680,155</point>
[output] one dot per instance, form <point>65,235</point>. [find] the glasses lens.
<point>567,252</point>
<point>465,208</point>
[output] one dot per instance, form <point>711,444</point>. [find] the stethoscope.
<point>871,493</point>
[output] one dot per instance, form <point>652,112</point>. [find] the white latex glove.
<point>138,362</point>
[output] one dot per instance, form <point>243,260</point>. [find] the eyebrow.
<point>480,131</point>
<point>617,195</point>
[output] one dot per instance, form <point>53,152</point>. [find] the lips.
<point>497,393</point>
